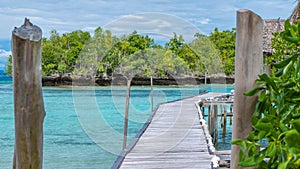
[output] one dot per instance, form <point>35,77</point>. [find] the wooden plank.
<point>173,138</point>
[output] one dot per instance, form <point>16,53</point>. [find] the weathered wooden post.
<point>248,65</point>
<point>28,100</point>
<point>205,81</point>
<point>152,101</point>
<point>126,113</point>
<point>231,112</point>
<point>221,117</point>
<point>209,114</point>
<point>215,123</point>
<point>225,121</point>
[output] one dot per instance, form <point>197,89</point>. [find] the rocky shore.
<point>140,81</point>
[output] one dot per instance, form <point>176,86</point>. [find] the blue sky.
<point>157,17</point>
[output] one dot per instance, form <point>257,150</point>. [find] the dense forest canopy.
<point>102,53</point>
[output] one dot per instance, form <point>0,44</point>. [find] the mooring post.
<point>205,81</point>
<point>221,117</point>
<point>231,112</point>
<point>225,121</point>
<point>28,99</point>
<point>126,114</point>
<point>209,113</point>
<point>215,123</point>
<point>151,95</point>
<point>248,65</point>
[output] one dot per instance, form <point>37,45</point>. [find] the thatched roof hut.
<point>277,25</point>
<point>271,26</point>
<point>295,16</point>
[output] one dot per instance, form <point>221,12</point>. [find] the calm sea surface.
<point>83,126</point>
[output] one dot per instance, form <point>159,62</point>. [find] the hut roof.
<point>271,26</point>
<point>295,16</point>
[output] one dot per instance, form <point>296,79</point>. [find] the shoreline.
<point>136,81</point>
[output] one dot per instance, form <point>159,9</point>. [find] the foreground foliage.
<point>274,141</point>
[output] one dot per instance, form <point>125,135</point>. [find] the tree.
<point>8,66</point>
<point>60,53</point>
<point>92,57</point>
<point>190,57</point>
<point>154,62</point>
<point>125,46</point>
<point>225,42</point>
<point>207,56</point>
<point>175,43</point>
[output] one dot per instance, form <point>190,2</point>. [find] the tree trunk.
<point>28,100</point>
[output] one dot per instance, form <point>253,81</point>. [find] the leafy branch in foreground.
<point>274,141</point>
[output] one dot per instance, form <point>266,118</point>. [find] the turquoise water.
<point>69,143</point>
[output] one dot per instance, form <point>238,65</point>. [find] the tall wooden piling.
<point>225,121</point>
<point>248,64</point>
<point>126,113</point>
<point>28,100</point>
<point>151,94</point>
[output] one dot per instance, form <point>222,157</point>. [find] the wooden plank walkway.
<point>173,139</point>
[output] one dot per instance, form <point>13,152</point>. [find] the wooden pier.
<point>172,138</point>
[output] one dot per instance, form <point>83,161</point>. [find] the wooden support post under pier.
<point>224,122</point>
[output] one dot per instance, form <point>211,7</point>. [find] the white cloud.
<point>159,24</point>
<point>89,28</point>
<point>69,15</point>
<point>4,53</point>
<point>204,21</point>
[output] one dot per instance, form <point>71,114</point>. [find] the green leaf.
<point>292,138</point>
<point>292,39</point>
<point>261,134</point>
<point>253,91</point>
<point>279,72</point>
<point>298,28</point>
<point>261,126</point>
<point>296,124</point>
<point>251,161</point>
<point>285,62</point>
<point>283,165</point>
<point>251,136</point>
<point>287,25</point>
<point>287,68</point>
<point>294,150</point>
<point>282,127</point>
<point>296,99</point>
<point>271,149</point>
<point>237,142</point>
<point>289,84</point>
<point>269,81</point>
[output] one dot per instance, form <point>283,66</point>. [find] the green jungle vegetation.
<point>102,53</point>
<point>274,141</point>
